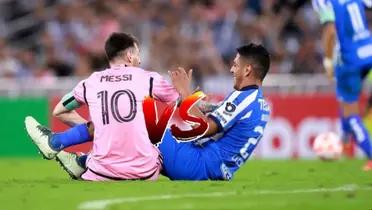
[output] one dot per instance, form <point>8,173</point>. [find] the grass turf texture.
<point>36,184</point>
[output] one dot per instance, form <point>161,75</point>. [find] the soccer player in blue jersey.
<point>234,127</point>
<point>345,29</point>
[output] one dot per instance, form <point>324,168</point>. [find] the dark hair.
<point>258,56</point>
<point>118,42</point>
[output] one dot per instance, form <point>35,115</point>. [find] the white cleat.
<point>69,163</point>
<point>40,135</point>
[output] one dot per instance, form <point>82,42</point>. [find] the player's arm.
<point>182,82</point>
<point>65,111</point>
<point>207,107</point>
<point>329,40</point>
<point>162,90</point>
<point>327,18</point>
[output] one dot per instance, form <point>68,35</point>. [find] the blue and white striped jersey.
<point>241,118</point>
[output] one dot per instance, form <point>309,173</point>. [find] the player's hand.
<point>328,66</point>
<point>182,81</point>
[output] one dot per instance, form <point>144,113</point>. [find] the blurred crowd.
<point>69,36</point>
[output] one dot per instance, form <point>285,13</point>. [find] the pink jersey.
<point>121,146</point>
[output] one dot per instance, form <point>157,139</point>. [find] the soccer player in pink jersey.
<point>121,146</point>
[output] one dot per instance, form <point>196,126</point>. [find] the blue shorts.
<point>187,161</point>
<point>349,81</point>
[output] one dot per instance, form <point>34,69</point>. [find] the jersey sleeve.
<point>232,109</point>
<point>162,90</point>
<point>367,4</point>
<point>79,92</point>
<point>324,10</point>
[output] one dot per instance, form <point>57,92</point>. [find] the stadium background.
<point>46,46</point>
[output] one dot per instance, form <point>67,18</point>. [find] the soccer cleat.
<point>40,135</point>
<point>368,166</point>
<point>69,163</point>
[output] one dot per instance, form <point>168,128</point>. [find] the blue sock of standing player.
<point>345,129</point>
<point>75,135</point>
<point>360,134</point>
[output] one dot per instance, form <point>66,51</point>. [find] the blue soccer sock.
<point>346,131</point>
<point>73,136</point>
<point>360,134</point>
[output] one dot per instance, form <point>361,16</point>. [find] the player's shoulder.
<point>320,5</point>
<point>93,76</point>
<point>367,3</point>
<point>88,78</point>
<point>153,74</point>
<point>245,97</point>
<point>256,105</point>
<point>136,69</point>
<point>111,71</point>
<point>156,76</point>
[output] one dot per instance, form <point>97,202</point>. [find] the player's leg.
<point>76,135</point>
<point>182,161</point>
<point>348,88</point>
<point>346,134</point>
<point>72,163</point>
<point>359,131</point>
<point>49,144</point>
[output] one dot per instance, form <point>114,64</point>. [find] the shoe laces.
<point>45,131</point>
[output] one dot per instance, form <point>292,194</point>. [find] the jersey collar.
<point>119,66</point>
<point>249,87</point>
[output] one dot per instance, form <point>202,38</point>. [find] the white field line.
<point>102,204</point>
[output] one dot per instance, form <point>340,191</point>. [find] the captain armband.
<point>69,102</point>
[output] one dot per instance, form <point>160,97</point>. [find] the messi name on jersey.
<point>116,78</point>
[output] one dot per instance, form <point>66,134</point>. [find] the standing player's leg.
<point>49,143</point>
<point>348,88</point>
<point>346,135</point>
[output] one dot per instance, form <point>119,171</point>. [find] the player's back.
<point>121,146</point>
<point>352,30</point>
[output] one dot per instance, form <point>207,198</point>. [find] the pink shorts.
<point>90,175</point>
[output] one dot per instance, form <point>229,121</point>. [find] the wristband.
<point>327,63</point>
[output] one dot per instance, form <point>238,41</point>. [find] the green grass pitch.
<point>36,184</point>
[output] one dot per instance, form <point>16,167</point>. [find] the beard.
<point>237,82</point>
